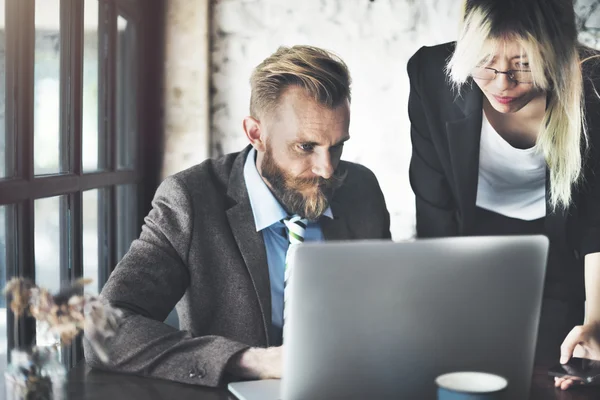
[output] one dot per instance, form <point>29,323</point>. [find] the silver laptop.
<point>379,320</point>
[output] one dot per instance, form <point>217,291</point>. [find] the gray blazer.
<point>199,250</point>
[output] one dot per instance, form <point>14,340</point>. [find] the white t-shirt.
<point>512,181</point>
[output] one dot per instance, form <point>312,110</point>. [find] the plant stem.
<point>16,331</point>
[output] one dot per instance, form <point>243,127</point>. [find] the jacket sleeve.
<point>590,238</point>
<point>589,206</point>
<point>435,206</point>
<point>146,285</point>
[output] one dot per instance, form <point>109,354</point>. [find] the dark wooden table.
<point>87,384</point>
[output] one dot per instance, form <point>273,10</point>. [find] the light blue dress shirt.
<point>268,214</point>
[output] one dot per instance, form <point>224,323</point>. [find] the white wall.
<point>186,85</point>
<point>375,38</point>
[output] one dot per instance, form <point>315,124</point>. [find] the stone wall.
<point>374,37</point>
<point>186,85</point>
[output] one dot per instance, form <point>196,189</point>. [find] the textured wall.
<point>186,84</point>
<point>588,19</point>
<point>375,38</point>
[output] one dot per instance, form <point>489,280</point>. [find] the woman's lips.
<point>504,100</point>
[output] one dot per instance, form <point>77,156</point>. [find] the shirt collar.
<point>265,207</point>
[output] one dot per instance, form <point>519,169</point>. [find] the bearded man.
<point>216,240</point>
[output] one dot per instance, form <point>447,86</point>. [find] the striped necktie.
<point>296,226</point>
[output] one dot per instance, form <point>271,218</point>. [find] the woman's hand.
<point>583,341</point>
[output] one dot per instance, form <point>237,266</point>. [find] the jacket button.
<point>576,254</point>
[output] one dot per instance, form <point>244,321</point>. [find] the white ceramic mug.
<point>468,385</point>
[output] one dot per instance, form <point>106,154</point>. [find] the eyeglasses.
<point>515,75</point>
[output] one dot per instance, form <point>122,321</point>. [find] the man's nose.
<point>323,166</point>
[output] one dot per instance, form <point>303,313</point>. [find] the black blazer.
<point>445,134</point>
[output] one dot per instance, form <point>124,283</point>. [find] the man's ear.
<point>254,133</point>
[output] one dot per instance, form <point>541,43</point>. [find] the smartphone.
<point>579,369</point>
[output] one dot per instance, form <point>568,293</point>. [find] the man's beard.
<point>288,190</point>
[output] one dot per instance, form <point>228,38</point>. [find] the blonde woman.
<point>504,127</point>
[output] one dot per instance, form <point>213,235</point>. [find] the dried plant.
<point>20,292</point>
<point>66,313</point>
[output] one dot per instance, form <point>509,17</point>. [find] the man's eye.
<point>306,147</point>
<point>523,65</point>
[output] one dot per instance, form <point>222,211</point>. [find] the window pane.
<point>4,211</point>
<point>47,236</point>
<point>90,86</point>
<point>47,87</point>
<point>5,149</point>
<point>126,91</point>
<point>90,239</point>
<point>127,225</point>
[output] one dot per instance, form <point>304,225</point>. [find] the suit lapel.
<point>336,228</point>
<point>249,241</point>
<point>464,135</point>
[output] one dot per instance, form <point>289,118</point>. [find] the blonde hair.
<point>546,32</point>
<point>322,74</point>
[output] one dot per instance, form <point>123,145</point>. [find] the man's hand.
<point>583,341</point>
<point>258,363</point>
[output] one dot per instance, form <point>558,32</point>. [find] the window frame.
<point>22,188</point>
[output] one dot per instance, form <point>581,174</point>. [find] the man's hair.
<point>323,76</point>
